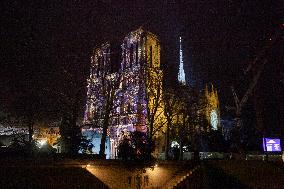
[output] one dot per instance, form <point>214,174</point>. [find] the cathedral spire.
<point>181,74</point>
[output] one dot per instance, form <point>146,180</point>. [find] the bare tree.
<point>69,99</point>
<point>181,112</point>
<point>188,121</point>
<point>110,93</point>
<point>154,101</point>
<point>103,87</point>
<point>105,100</point>
<point>170,111</point>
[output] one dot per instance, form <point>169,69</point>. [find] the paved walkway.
<point>159,176</point>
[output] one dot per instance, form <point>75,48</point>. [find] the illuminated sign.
<point>271,145</point>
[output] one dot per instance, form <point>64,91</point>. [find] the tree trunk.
<point>151,125</point>
<point>75,109</point>
<point>31,130</point>
<point>104,135</point>
<point>74,143</point>
<point>167,149</point>
<point>181,144</point>
<point>196,149</point>
<point>181,150</point>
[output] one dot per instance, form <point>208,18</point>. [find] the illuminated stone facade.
<point>212,110</point>
<point>209,95</point>
<point>135,65</point>
<point>181,73</point>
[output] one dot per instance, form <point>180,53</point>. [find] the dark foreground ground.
<point>58,178</point>
<point>237,175</point>
<point>31,174</point>
<point>74,174</point>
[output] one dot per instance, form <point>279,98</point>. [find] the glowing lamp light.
<point>175,144</point>
<point>42,143</point>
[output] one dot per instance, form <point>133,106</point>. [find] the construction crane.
<point>257,65</point>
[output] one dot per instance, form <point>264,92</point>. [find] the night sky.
<point>46,47</point>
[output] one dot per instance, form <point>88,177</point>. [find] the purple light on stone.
<point>271,145</point>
